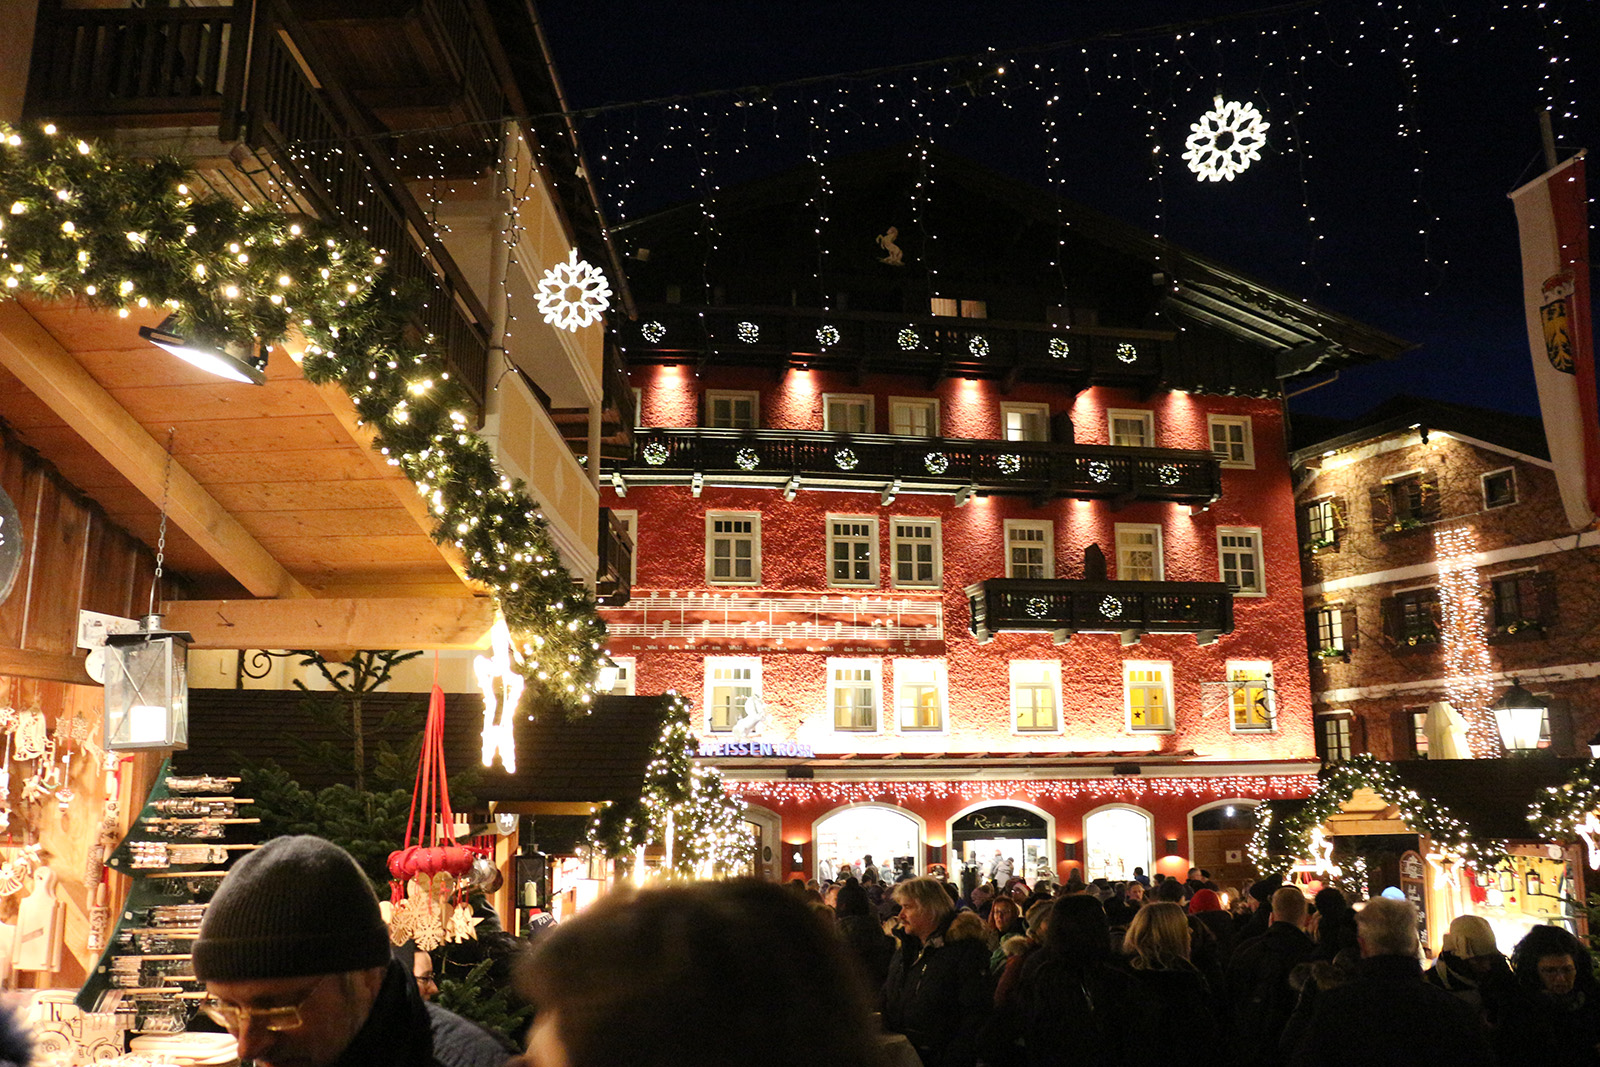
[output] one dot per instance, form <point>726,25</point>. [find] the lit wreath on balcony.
<point>1127,353</point>
<point>936,462</point>
<point>978,346</point>
<point>747,459</point>
<point>846,459</point>
<point>1008,462</point>
<point>1168,474</point>
<point>748,332</point>
<point>908,340</point>
<point>653,332</point>
<point>1038,607</point>
<point>655,453</point>
<point>82,222</point>
<point>1059,348</point>
<point>827,336</point>
<point>1099,470</point>
<point>1111,607</point>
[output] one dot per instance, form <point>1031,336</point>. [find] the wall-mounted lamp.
<point>228,361</point>
<point>1172,847</point>
<point>1069,852</point>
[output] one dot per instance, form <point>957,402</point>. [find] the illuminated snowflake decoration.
<point>846,459</point>
<point>1225,141</point>
<point>1111,607</point>
<point>1168,474</point>
<point>747,459</point>
<point>1059,349</point>
<point>653,331</point>
<point>655,453</point>
<point>1008,463</point>
<point>573,294</point>
<point>936,462</point>
<point>1100,470</point>
<point>978,346</point>
<point>748,332</point>
<point>1037,607</point>
<point>1127,353</point>
<point>827,336</point>
<point>909,340</point>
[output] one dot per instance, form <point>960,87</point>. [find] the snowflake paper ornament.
<point>1225,141</point>
<point>573,294</point>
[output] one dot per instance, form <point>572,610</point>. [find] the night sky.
<point>1397,130</point>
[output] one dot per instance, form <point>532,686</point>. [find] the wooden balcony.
<point>873,342</point>
<point>1064,607</point>
<point>794,460</point>
<point>613,576</point>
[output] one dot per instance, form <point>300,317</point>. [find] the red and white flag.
<point>1553,222</point>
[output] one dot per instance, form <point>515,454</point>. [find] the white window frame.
<point>1260,555</point>
<point>1165,667</point>
<point>1048,544</point>
<point>731,395</point>
<point>1140,414</point>
<point>928,404</point>
<point>1330,528</point>
<point>1118,529</point>
<point>1483,485</point>
<point>1320,723</point>
<point>1029,671</point>
<point>871,522</point>
<point>1335,611</point>
<point>1264,667</point>
<point>921,672</point>
<point>630,519</point>
<point>627,676</point>
<point>708,701</point>
<point>895,541</point>
<point>755,554</point>
<point>1248,462</point>
<point>855,663</point>
<point>866,400</point>
<point>1041,411</point>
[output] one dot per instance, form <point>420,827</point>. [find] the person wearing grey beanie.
<point>295,957</point>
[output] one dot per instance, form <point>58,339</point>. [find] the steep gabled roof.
<point>1522,434</point>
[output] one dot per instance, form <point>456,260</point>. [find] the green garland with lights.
<point>80,221</point>
<point>707,825</point>
<point>1280,839</point>
<point>1557,814</point>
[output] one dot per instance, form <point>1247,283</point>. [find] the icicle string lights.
<point>1122,788</point>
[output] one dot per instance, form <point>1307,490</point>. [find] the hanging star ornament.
<point>573,294</point>
<point>1225,141</point>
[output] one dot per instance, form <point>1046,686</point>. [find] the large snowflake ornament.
<point>573,294</point>
<point>1225,141</point>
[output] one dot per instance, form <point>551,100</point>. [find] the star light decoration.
<point>1225,141</point>
<point>573,294</point>
<point>501,686</point>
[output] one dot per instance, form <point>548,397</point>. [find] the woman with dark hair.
<point>938,992</point>
<point>1070,999</point>
<point>697,975</point>
<point>869,946</point>
<point>1171,996</point>
<point>1553,1018</point>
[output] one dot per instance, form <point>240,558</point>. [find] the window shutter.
<point>1402,744</point>
<point>1389,616</point>
<point>1062,432</point>
<point>1544,583</point>
<point>1562,741</point>
<point>1358,735</point>
<point>1347,624</point>
<point>702,410</point>
<point>1429,495</point>
<point>1382,508</point>
<point>1311,634</point>
<point>1337,506</point>
<point>1302,523</point>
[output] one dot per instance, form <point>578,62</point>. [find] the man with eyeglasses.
<point>295,957</point>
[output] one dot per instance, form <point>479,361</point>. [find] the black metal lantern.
<point>147,688</point>
<point>1520,716</point>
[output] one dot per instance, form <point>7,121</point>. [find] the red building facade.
<point>944,586</point>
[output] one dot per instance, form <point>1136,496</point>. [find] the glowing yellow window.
<point>1148,703</point>
<point>1251,696</point>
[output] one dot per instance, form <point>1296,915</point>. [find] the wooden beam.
<point>43,666</point>
<point>540,807</point>
<point>340,405</point>
<point>51,373</point>
<point>392,622</point>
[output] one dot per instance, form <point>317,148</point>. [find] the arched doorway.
<point>891,836</point>
<point>1219,839</point>
<point>1118,839</point>
<point>1016,833</point>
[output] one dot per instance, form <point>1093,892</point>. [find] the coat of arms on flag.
<point>1553,306</point>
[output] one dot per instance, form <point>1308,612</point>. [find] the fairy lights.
<point>796,791</point>
<point>1463,637</point>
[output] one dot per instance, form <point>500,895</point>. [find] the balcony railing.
<point>613,575</point>
<point>1066,606</point>
<point>700,455</point>
<point>913,344</point>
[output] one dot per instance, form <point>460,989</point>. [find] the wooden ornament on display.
<point>41,926</point>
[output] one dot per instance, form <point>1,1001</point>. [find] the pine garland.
<point>79,221</point>
<point>1557,815</point>
<point>1279,840</point>
<point>707,825</point>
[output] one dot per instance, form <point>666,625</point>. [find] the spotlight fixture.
<point>225,361</point>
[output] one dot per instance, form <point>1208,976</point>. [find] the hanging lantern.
<point>147,688</point>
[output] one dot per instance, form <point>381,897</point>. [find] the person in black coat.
<point>1552,1018</point>
<point>938,992</point>
<point>1258,978</point>
<point>1071,1002</point>
<point>1387,1013</point>
<point>869,946</point>
<point>1170,995</point>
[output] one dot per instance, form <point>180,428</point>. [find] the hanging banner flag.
<point>1553,222</point>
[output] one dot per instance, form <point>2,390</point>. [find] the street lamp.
<point>1520,716</point>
